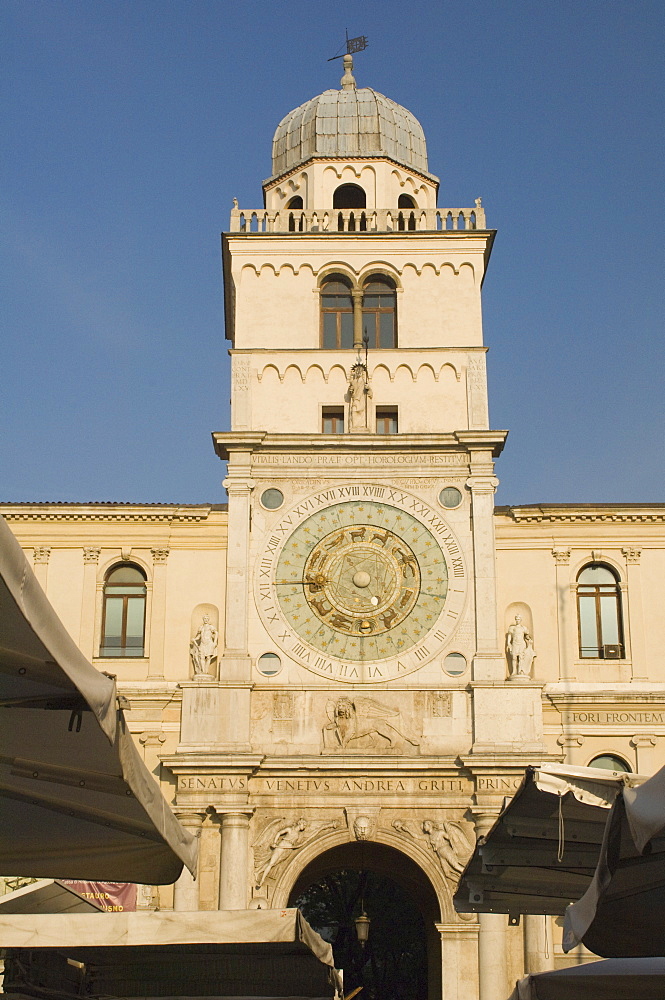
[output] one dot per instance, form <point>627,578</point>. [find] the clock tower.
<point>363,676</point>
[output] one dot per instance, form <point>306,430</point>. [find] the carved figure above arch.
<point>280,838</point>
<point>407,855</point>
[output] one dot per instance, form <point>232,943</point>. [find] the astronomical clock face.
<point>361,583</point>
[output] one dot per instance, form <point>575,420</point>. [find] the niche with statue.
<point>204,640</point>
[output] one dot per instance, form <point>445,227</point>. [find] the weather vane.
<point>352,45</point>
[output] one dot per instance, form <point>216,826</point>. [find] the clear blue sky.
<point>129,125</point>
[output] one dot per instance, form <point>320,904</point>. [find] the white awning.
<point>542,852</point>
<point>622,912</point>
<point>614,979</point>
<point>585,842</point>
<point>260,953</point>
<point>76,799</point>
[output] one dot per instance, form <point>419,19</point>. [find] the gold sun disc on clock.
<point>362,579</point>
<point>358,580</point>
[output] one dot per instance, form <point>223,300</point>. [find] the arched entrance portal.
<point>402,957</point>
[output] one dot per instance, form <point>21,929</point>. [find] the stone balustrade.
<point>356,220</point>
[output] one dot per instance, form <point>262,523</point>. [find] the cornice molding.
<point>585,514</point>
<point>120,513</point>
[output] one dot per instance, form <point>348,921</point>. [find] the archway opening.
<point>401,959</point>
<point>349,196</point>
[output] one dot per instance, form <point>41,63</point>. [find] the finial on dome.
<point>348,81</point>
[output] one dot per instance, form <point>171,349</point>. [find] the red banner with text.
<point>116,897</point>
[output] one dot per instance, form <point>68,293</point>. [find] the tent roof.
<point>622,913</point>
<point>47,895</point>
<point>223,952</point>
<point>77,800</point>
<point>614,979</point>
<point>582,836</point>
<point>542,852</point>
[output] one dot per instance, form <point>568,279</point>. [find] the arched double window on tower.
<point>336,313</point>
<point>123,616</point>
<point>379,312</point>
<point>371,313</point>
<point>599,613</point>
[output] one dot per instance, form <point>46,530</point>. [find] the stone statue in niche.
<point>203,647</point>
<point>448,841</point>
<point>519,646</point>
<point>276,845</point>
<point>362,724</point>
<point>359,393</point>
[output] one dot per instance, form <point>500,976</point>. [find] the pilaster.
<point>88,601</point>
<point>489,663</point>
<point>41,556</point>
<point>633,614</point>
<point>459,960</point>
<point>158,629</point>
<point>492,937</point>
<point>564,611</point>
<point>235,664</point>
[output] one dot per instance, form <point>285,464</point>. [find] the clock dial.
<point>361,582</point>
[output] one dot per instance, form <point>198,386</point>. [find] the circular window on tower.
<point>454,664</point>
<point>269,664</point>
<point>450,497</point>
<point>272,499</point>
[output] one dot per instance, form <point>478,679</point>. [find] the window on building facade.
<point>406,201</point>
<point>610,762</point>
<point>599,613</point>
<point>379,320</point>
<point>332,420</point>
<point>386,420</point>
<point>123,619</point>
<point>295,202</point>
<point>349,196</point>
<point>336,314</point>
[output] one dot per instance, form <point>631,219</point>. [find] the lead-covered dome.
<point>349,123</point>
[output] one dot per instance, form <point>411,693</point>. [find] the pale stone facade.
<point>348,653</point>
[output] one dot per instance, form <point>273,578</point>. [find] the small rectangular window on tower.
<point>332,420</point>
<point>386,420</point>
